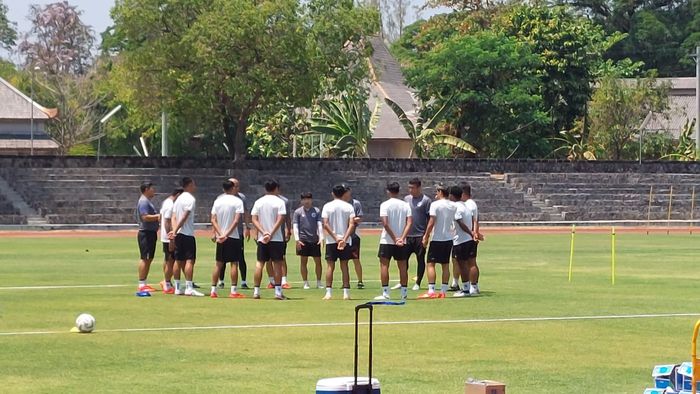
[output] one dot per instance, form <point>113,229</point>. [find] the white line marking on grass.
<point>60,287</point>
<point>378,323</point>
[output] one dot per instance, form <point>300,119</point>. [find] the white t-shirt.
<point>225,207</point>
<point>464,215</point>
<point>268,208</point>
<point>471,205</point>
<point>338,213</point>
<point>185,203</point>
<point>166,213</point>
<point>444,213</point>
<point>396,211</point>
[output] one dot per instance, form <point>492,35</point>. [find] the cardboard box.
<point>664,376</point>
<point>484,387</point>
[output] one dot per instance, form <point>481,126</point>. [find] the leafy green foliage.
<point>686,150</point>
<point>349,123</point>
<point>8,33</point>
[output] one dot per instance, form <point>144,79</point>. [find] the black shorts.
<point>167,254</point>
<point>355,248</point>
<point>474,252</point>
<point>439,252</point>
<point>464,251</point>
<point>147,244</point>
<point>310,249</point>
<point>185,247</point>
<point>229,251</point>
<point>333,254</point>
<point>414,245</point>
<point>273,250</point>
<point>398,253</point>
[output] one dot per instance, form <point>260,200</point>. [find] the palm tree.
<point>423,132</point>
<point>349,123</point>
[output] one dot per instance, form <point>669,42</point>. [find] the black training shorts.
<point>333,254</point>
<point>355,248</point>
<point>271,251</point>
<point>310,249</point>
<point>167,254</point>
<point>147,244</point>
<point>185,247</point>
<point>229,251</point>
<point>398,253</point>
<point>439,252</point>
<point>463,251</point>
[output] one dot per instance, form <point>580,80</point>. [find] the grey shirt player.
<point>245,209</point>
<point>146,207</point>
<point>420,207</point>
<point>307,222</point>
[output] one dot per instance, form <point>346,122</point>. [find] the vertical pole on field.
<point>670,207</point>
<point>612,259</point>
<point>571,255</point>
<point>692,210</point>
<point>651,195</point>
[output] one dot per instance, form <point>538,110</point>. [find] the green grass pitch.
<point>522,276</point>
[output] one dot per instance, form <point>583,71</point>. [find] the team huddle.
<point>447,228</point>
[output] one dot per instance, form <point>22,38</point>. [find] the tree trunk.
<point>240,148</point>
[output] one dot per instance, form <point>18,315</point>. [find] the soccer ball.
<point>85,323</point>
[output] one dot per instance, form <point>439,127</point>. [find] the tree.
<point>394,14</point>
<point>223,60</point>
<point>424,132</point>
<point>349,123</point>
<point>617,110</point>
<point>8,34</point>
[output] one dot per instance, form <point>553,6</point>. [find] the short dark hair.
<point>466,189</point>
<point>271,185</point>
<point>145,186</point>
<point>393,187</point>
<point>227,185</point>
<point>306,195</point>
<point>415,182</point>
<point>186,181</point>
<point>456,192</point>
<point>339,190</point>
<point>440,188</point>
<point>177,191</point>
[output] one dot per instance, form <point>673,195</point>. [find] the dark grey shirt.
<point>307,222</point>
<point>288,205</point>
<point>357,205</point>
<point>245,209</point>
<point>146,207</point>
<point>420,208</point>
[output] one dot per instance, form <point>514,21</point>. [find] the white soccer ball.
<point>85,323</point>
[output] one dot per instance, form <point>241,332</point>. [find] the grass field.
<point>523,276</point>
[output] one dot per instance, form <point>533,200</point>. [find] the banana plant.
<point>424,134</point>
<point>686,150</point>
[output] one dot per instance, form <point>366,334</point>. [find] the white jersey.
<point>338,213</point>
<point>185,203</point>
<point>268,208</point>
<point>166,213</point>
<point>225,207</point>
<point>471,205</point>
<point>444,213</point>
<point>464,215</point>
<point>396,211</point>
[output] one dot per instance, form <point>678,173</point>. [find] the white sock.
<point>284,280</point>
<point>404,291</point>
<point>245,282</point>
<point>142,283</point>
<point>465,287</point>
<point>454,282</point>
<point>346,292</point>
<point>213,289</point>
<point>329,291</point>
<point>177,285</point>
<point>318,283</point>
<point>272,280</point>
<point>167,285</point>
<point>385,290</point>
<point>431,288</point>
<point>189,285</point>
<point>256,291</point>
<point>278,290</point>
<point>474,288</point>
<point>444,288</point>
<point>306,283</point>
<point>234,289</point>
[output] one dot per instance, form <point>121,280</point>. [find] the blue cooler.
<point>344,385</point>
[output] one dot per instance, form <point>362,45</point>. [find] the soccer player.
<point>420,208</point>
<point>439,235</point>
<point>356,241</point>
<point>308,232</point>
<point>147,237</point>
<point>338,222</point>
<point>463,244</point>
<point>166,214</point>
<point>243,230</point>
<point>396,220</point>
<point>226,213</point>
<point>473,267</point>
<point>183,234</point>
<point>268,215</point>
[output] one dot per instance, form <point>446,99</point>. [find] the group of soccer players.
<point>448,228</point>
